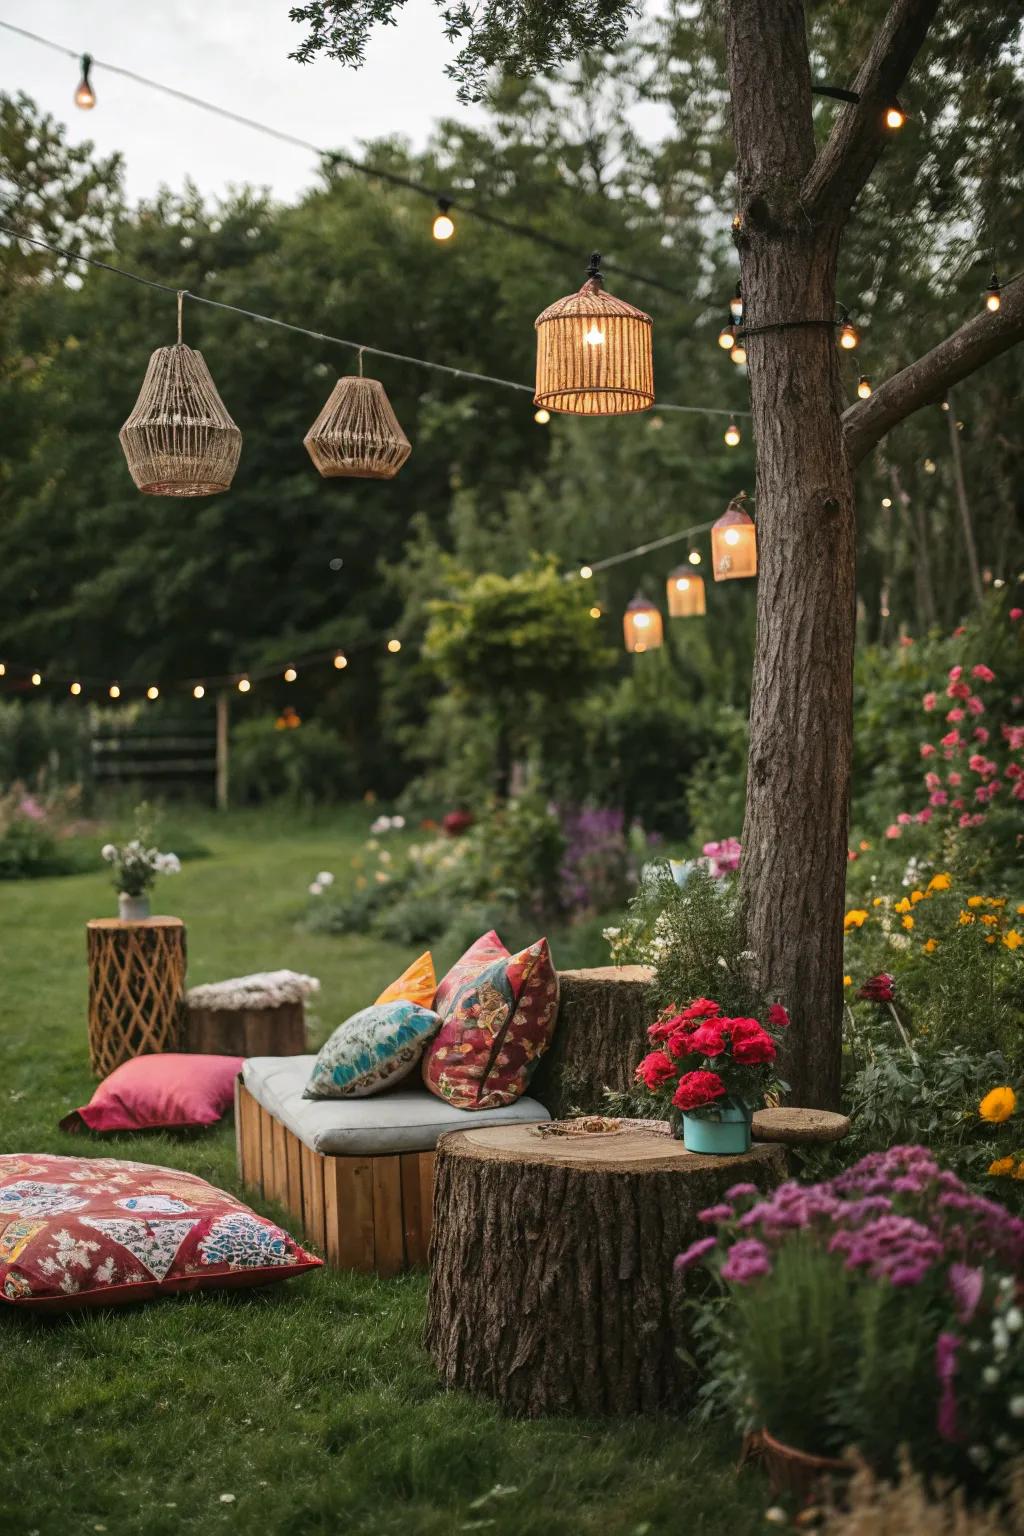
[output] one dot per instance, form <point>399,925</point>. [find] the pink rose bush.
<point>704,1059</point>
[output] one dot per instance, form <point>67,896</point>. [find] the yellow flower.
<point>1020,910</point>
<point>864,846</point>
<point>879,901</point>
<point>996,901</point>
<point>1018,1172</point>
<point>930,946</point>
<point>908,923</point>
<point>855,919</point>
<point>847,981</point>
<point>1001,1167</point>
<point>902,906</point>
<point>998,1105</point>
<point>990,938</point>
<point>1013,940</point>
<point>975,901</point>
<point>989,920</point>
<point>916,896</point>
<point>965,918</point>
<point>940,882</point>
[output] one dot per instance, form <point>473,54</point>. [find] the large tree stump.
<point>551,1282</point>
<point>136,988</point>
<point>601,1034</point>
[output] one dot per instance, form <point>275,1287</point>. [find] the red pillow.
<point>160,1092</point>
<point>499,1016</point>
<point>79,1232</point>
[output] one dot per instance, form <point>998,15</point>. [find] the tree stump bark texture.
<point>601,1035</point>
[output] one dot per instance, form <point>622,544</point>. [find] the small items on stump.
<point>551,1280</point>
<point>601,1034</point>
<point>259,1015</point>
<point>799,1127</point>
<point>136,988</point>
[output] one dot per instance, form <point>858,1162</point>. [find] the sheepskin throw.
<point>264,989</point>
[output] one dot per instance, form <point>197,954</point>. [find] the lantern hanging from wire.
<point>641,626</point>
<point>357,434</point>
<point>685,593</point>
<point>179,439</point>
<point>594,354</point>
<point>734,542</point>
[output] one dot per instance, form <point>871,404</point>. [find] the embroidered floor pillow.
<point>497,1023</point>
<point>160,1092</point>
<point>79,1232</point>
<point>480,954</point>
<point>417,984</point>
<point>372,1050</point>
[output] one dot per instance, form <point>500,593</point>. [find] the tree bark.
<point>603,1018</point>
<point>551,1284</point>
<point>960,485</point>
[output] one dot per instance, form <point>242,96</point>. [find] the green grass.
<point>311,1403</point>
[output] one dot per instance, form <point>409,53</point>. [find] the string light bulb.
<point>152,692</point>
<point>114,690</point>
<point>894,117</point>
<point>444,225</point>
<point>75,689</point>
<point>732,434</point>
<point>849,336</point>
<point>37,678</point>
<point>736,305</point>
<point>290,674</point>
<point>595,612</point>
<point>727,337</point>
<point>3,668</point>
<point>341,661</point>
<point>244,685</point>
<point>394,646</point>
<point>595,336</point>
<point>930,466</point>
<point>994,295</point>
<point>694,557</point>
<point>863,387</point>
<point>198,691</point>
<point>739,354</point>
<point>85,96</point>
<point>542,416</point>
<point>586,571</point>
<point>887,502</point>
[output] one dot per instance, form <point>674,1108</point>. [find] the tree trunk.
<point>603,1018</point>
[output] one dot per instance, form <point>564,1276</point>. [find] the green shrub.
<point>309,765</point>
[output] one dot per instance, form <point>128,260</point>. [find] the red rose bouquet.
<point>704,1061</point>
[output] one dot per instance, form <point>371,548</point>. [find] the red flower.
<point>702,1008</point>
<point>709,1039</point>
<point>655,1070</point>
<point>752,1046</point>
<point>697,1089</point>
<point>878,989</point>
<point>457,822</point>
<point>778,1016</point>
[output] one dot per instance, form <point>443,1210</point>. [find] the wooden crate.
<point>371,1214</point>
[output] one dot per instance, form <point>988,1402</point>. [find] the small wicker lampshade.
<point>641,626</point>
<point>179,440</point>
<point>357,433</point>
<point>594,353</point>
<point>734,543</point>
<point>685,593</point>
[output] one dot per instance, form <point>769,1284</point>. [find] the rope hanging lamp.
<point>734,542</point>
<point>357,434</point>
<point>594,354</point>
<point>179,439</point>
<point>685,593</point>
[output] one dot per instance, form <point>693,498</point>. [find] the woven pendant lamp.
<point>357,433</point>
<point>179,440</point>
<point>685,593</point>
<point>594,353</point>
<point>641,626</point>
<point>734,542</point>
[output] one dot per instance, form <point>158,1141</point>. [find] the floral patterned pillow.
<point>371,1051</point>
<point>497,1023</point>
<point>83,1231</point>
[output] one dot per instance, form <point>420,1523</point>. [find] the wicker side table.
<point>136,988</point>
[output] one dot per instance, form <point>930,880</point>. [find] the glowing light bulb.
<point>586,572</point>
<point>36,679</point>
<point>595,336</point>
<point>394,646</point>
<point>595,612</point>
<point>736,305</point>
<point>3,668</point>
<point>115,692</point>
<point>863,387</point>
<point>683,584</point>
<point>290,674</point>
<point>739,354</point>
<point>198,691</point>
<point>85,96</point>
<point>732,434</point>
<point>895,117</point>
<point>341,660</point>
<point>642,620</point>
<point>444,227</point>
<point>944,406</point>
<point>727,337</point>
<point>732,535</point>
<point>542,417</point>
<point>76,689</point>
<point>887,502</point>
<point>694,557</point>
<point>930,466</point>
<point>153,692</point>
<point>244,685</point>
<point>994,297</point>
<point>848,337</point>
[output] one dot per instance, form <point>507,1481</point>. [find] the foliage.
<point>43,737</point>
<point>308,765</point>
<point>35,832</point>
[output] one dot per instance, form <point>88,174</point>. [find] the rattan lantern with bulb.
<point>179,439</point>
<point>685,593</point>
<point>734,543</point>
<point>594,353</point>
<point>641,626</point>
<point>357,434</point>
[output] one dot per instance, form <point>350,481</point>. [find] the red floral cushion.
<point>499,1013</point>
<point>82,1231</point>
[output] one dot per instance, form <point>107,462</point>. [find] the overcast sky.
<point>233,52</point>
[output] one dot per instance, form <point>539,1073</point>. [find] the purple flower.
<point>694,1254</point>
<point>715,1213</point>
<point>739,1190</point>
<point>748,1260</point>
<point>967,1285</point>
<point>946,1347</point>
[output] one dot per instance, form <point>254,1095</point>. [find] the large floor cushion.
<point>407,1120</point>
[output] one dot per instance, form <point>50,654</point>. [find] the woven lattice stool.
<point>136,988</point>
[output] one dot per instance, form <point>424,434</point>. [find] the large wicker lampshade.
<point>357,433</point>
<point>594,353</point>
<point>179,440</point>
<point>641,626</point>
<point>734,543</point>
<point>685,593</point>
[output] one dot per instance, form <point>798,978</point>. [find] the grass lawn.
<point>309,1406</point>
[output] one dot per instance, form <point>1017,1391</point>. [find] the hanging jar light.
<point>85,96</point>
<point>732,434</point>
<point>863,387</point>
<point>357,434</point>
<point>444,225</point>
<point>993,295</point>
<point>685,593</point>
<point>179,439</point>
<point>734,542</point>
<point>641,626</point>
<point>594,354</point>
<point>849,336</point>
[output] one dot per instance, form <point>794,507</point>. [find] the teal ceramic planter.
<point>727,1135</point>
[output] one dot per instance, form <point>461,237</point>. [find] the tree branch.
<point>926,381</point>
<point>847,158</point>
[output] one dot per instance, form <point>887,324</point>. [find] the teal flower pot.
<point>726,1135</point>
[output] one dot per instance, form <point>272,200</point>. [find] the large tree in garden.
<point>794,200</point>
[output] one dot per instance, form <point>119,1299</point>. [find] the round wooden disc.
<point>631,1151</point>
<point>799,1125</point>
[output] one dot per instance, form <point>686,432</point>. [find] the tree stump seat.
<point>799,1127</point>
<point>551,1264</point>
<point>259,1015</point>
<point>603,1017</point>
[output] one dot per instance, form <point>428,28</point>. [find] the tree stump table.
<point>136,988</point>
<point>551,1279</point>
<point>603,1017</point>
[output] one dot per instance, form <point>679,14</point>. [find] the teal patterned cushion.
<point>371,1051</point>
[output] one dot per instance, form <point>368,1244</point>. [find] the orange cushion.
<point>417,984</point>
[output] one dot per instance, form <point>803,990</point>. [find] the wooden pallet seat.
<point>357,1173</point>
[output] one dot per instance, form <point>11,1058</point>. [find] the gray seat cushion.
<point>407,1120</point>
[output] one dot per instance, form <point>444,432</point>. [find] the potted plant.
<point>711,1072</point>
<point>135,869</point>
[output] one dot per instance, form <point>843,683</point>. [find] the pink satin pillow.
<point>160,1092</point>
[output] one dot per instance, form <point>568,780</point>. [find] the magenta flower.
<point>946,1347</point>
<point>748,1260</point>
<point>985,674</point>
<point>693,1255</point>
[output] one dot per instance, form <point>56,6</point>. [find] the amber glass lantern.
<point>685,593</point>
<point>641,626</point>
<point>594,353</point>
<point>734,543</point>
